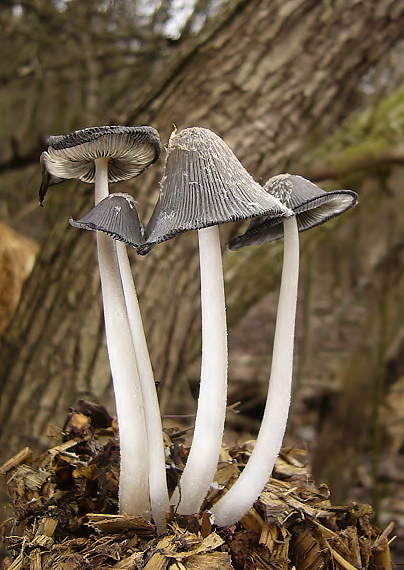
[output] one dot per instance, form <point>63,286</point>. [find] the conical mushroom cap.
<point>116,216</point>
<point>130,150</point>
<point>311,205</point>
<point>203,185</point>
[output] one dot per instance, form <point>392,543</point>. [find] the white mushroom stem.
<point>157,470</point>
<point>242,495</point>
<point>133,478</point>
<point>209,424</point>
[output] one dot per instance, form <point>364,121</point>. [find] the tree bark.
<point>272,78</point>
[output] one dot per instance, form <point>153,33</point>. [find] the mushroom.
<point>204,185</point>
<point>102,155</point>
<point>116,216</point>
<point>312,206</point>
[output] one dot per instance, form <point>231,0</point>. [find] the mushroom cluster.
<point>102,155</point>
<point>203,185</point>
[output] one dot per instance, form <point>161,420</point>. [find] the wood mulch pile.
<point>66,504</point>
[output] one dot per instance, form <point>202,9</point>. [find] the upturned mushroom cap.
<point>312,206</point>
<point>116,216</point>
<point>130,150</point>
<point>204,185</point>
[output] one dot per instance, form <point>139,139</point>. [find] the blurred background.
<point>307,87</point>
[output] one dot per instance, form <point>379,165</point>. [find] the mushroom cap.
<point>130,150</point>
<point>115,215</point>
<point>311,205</point>
<point>204,185</point>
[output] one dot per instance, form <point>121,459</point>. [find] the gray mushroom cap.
<point>116,216</point>
<point>130,150</point>
<point>204,185</point>
<point>311,205</point>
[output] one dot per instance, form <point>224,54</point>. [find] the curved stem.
<point>242,495</point>
<point>204,454</point>
<point>157,470</point>
<point>133,479</point>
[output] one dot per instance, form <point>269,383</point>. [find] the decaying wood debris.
<point>65,504</point>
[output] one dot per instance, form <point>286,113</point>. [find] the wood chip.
<point>383,559</point>
<point>269,535</point>
<point>17,564</point>
<point>47,526</point>
<point>252,521</point>
<point>213,561</point>
<point>115,524</point>
<point>341,560</point>
<point>130,562</point>
<point>30,478</point>
<point>308,554</point>
<point>43,541</point>
<point>61,448</point>
<point>292,525</point>
<point>54,432</point>
<point>381,540</point>
<point>306,509</point>
<point>36,560</point>
<point>177,566</point>
<point>22,456</point>
<point>159,561</point>
<point>208,544</point>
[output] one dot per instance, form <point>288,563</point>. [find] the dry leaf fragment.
<point>77,425</point>
<point>206,526</point>
<point>97,413</point>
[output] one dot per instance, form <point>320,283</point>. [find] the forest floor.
<point>65,505</point>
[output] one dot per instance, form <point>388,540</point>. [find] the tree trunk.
<point>272,78</point>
